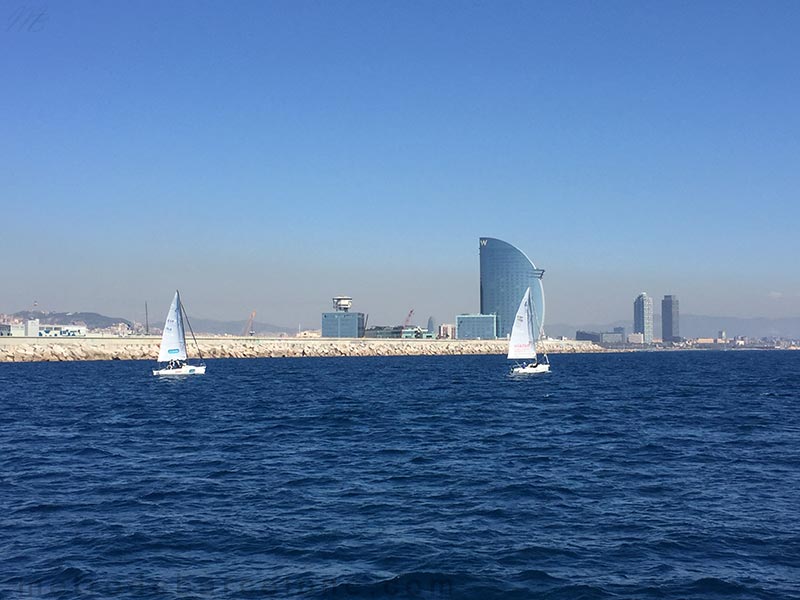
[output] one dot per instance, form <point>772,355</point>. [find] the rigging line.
<point>189,323</point>
<point>541,328</point>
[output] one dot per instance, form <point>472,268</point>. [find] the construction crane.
<point>408,318</point>
<point>248,329</point>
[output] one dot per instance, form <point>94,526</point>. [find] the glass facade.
<point>505,275</point>
<point>476,327</point>
<point>670,330</point>
<point>343,324</point>
<point>643,317</point>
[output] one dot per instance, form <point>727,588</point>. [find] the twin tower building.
<point>643,318</point>
<point>505,273</point>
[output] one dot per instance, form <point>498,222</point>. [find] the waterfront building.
<point>505,273</point>
<point>587,336</point>
<point>670,331</point>
<point>616,337</point>
<point>12,329</point>
<point>447,331</point>
<point>611,338</point>
<point>342,323</point>
<point>416,333</point>
<point>636,338</point>
<point>32,328</point>
<point>309,333</point>
<point>476,327</point>
<point>431,325</point>
<point>62,331</point>
<point>384,332</point>
<point>643,317</point>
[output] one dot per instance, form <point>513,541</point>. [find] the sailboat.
<point>173,344</point>
<point>522,343</point>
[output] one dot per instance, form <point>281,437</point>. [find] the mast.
<point>146,320</point>
<point>182,310</point>
<point>539,273</point>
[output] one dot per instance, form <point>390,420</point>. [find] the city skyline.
<point>270,156</point>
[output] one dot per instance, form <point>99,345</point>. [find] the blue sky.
<point>269,155</point>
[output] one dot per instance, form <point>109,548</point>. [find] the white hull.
<point>184,370</point>
<point>522,341</point>
<point>531,369</point>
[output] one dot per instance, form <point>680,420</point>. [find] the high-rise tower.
<point>643,317</point>
<point>670,331</point>
<point>505,275</point>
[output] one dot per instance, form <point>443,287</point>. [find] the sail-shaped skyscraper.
<point>506,272</point>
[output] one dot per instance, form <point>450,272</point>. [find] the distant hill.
<point>758,327</point>
<point>98,321</point>
<point>695,326</point>
<point>568,330</point>
<point>215,327</point>
<point>91,319</point>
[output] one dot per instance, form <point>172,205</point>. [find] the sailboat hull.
<point>531,369</point>
<point>184,370</point>
<point>522,342</point>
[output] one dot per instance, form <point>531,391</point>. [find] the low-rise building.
<point>476,327</point>
<point>587,336</point>
<point>636,338</point>
<point>384,332</point>
<point>32,328</point>
<point>447,331</point>
<point>416,333</point>
<point>342,323</point>
<point>62,331</point>
<point>309,333</point>
<point>612,337</point>
<point>12,329</point>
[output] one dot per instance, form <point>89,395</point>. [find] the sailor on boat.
<point>522,341</point>
<point>172,351</point>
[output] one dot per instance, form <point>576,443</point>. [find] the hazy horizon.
<point>376,317</point>
<point>269,156</point>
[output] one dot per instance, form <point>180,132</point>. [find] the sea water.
<point>634,475</point>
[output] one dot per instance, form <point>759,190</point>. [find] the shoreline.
<point>38,349</point>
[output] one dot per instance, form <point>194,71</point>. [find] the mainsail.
<point>522,343</point>
<point>173,340</point>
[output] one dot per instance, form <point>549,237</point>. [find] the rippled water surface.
<point>650,475</point>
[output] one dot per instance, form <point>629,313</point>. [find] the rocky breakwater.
<point>146,348</point>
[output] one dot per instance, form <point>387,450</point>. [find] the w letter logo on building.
<point>484,242</point>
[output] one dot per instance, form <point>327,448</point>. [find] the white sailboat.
<point>522,343</point>
<point>173,344</point>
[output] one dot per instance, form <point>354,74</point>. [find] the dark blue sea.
<point>643,475</point>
